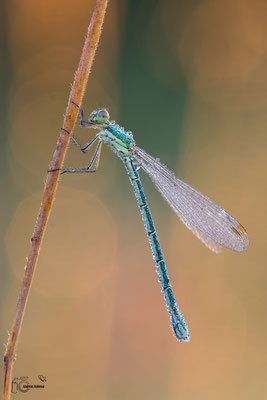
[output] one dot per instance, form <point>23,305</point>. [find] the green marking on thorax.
<point>118,139</point>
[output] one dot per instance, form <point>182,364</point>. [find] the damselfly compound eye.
<point>99,117</point>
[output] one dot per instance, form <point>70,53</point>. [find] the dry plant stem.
<point>77,92</point>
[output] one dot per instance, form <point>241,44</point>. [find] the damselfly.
<point>208,221</point>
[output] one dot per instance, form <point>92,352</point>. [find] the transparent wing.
<point>208,221</point>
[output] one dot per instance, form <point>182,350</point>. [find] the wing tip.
<point>240,231</point>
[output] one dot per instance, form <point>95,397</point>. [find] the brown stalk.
<point>76,94</point>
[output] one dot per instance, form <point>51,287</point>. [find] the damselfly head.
<point>99,117</point>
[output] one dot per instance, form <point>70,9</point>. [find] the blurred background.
<point>189,78</point>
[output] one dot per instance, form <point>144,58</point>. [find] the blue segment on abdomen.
<point>178,323</point>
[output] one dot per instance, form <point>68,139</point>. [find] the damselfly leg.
<point>83,121</point>
<point>94,160</point>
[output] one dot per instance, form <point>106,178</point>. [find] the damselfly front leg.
<point>83,121</point>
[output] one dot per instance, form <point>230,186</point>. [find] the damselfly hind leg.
<point>94,160</point>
